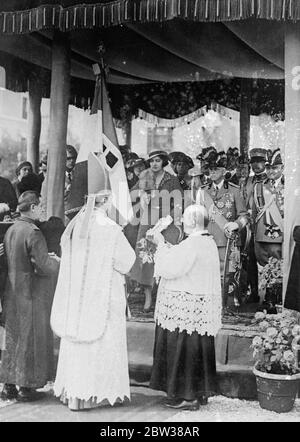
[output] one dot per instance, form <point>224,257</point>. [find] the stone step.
<point>234,359</point>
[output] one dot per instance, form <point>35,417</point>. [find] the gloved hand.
<point>230,228</point>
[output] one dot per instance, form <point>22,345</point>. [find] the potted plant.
<point>275,350</point>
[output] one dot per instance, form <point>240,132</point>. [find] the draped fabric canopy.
<point>148,40</point>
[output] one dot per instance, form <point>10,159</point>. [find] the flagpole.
<point>110,156</point>
<point>99,72</point>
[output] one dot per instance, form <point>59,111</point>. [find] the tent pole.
<point>245,113</point>
<point>128,133</point>
<point>292,142</point>
<point>34,121</point>
<point>59,105</point>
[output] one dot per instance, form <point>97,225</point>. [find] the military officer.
<point>268,212</point>
<point>258,160</point>
<point>226,207</point>
<point>204,158</point>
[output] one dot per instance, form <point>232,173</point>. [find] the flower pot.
<point>276,392</point>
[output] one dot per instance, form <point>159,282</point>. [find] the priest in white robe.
<point>187,314</point>
<point>89,306</point>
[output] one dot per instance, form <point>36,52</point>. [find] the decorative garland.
<point>176,122</point>
<point>116,12</point>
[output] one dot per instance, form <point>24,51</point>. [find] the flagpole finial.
<point>101,49</point>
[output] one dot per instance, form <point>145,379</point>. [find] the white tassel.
<point>21,23</point>
<point>67,19</point>
<point>37,19</point>
<point>218,8</point>
<point>186,8</point>
<point>196,7</point>
<point>272,9</point>
<point>44,16</point>
<point>241,8</point>
<point>13,24</point>
<point>283,9</point>
<point>228,8</point>
<point>84,16</point>
<point>4,22</point>
<point>94,15</point>
<point>206,9</point>
<point>74,17</point>
<point>112,14</point>
<point>30,20</point>
<point>179,5</point>
<point>53,16</point>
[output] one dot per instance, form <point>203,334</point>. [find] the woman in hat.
<point>155,204</point>
<point>183,164</point>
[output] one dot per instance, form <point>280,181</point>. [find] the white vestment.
<point>88,313</point>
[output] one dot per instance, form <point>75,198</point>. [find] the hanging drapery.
<point>23,16</point>
<point>176,122</point>
<point>20,17</point>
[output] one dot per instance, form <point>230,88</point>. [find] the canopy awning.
<point>23,16</point>
<point>147,41</point>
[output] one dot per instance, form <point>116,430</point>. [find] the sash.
<point>270,209</point>
<point>232,260</point>
<point>204,199</point>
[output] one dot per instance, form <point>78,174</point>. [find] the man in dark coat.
<point>27,360</point>
<point>7,196</point>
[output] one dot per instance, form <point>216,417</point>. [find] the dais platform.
<point>233,354</point>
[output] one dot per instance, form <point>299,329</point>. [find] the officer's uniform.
<point>231,205</point>
<point>268,231</point>
<point>268,235</point>
<point>256,154</point>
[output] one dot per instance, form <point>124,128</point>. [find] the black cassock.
<point>292,296</point>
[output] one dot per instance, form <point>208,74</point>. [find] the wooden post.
<point>292,142</point>
<point>245,113</point>
<point>60,91</point>
<point>34,121</point>
<point>128,133</point>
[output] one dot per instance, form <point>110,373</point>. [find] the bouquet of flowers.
<point>273,348</point>
<point>146,247</point>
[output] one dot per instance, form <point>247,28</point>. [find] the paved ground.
<point>146,406</point>
<point>222,409</point>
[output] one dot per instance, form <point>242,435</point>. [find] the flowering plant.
<point>273,347</point>
<point>147,250</point>
<point>271,273</point>
<point>146,246</point>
